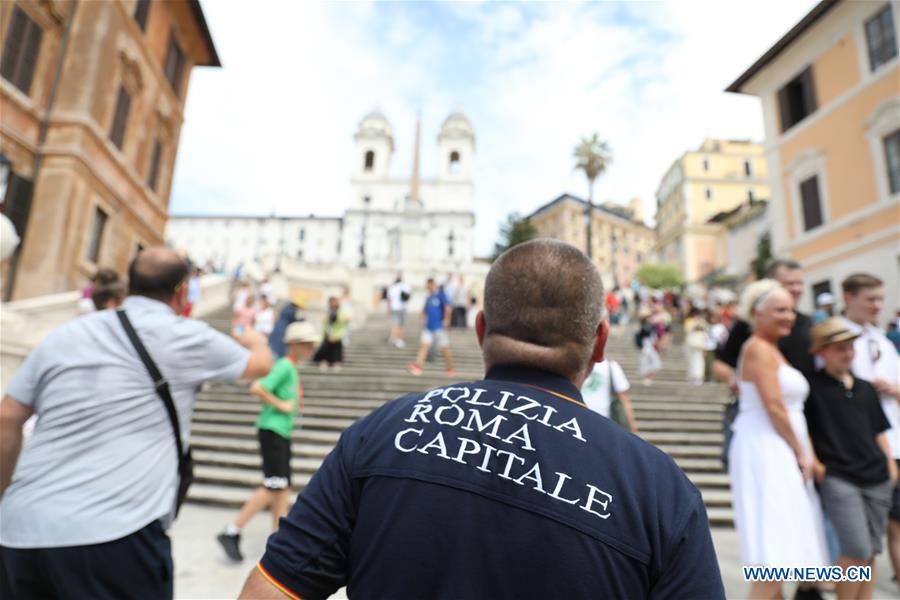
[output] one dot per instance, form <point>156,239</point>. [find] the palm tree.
<point>593,155</point>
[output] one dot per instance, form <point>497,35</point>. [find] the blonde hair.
<point>754,295</point>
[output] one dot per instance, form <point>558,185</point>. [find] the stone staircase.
<point>682,420</point>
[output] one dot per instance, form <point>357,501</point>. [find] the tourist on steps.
<point>282,400</point>
<point>436,317</point>
<point>331,351</point>
<point>777,512</point>
<point>397,295</point>
<point>876,360</point>
<point>507,487</point>
<point>849,433</point>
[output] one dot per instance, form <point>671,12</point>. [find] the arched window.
<point>370,161</point>
<point>455,163</point>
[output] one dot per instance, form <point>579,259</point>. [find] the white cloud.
<point>272,130</point>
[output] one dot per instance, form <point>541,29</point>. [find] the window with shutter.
<point>141,12</point>
<point>892,160</point>
<point>881,38</point>
<point>153,172</point>
<point>822,287</point>
<point>797,99</point>
<point>100,219</point>
<point>120,118</point>
<point>812,205</point>
<point>174,65</point>
<point>20,52</point>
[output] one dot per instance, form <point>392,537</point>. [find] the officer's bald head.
<point>156,273</point>
<point>542,308</point>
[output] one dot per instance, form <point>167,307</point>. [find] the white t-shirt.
<point>264,322</point>
<point>394,295</point>
<point>595,390</point>
<point>876,358</point>
<point>101,461</point>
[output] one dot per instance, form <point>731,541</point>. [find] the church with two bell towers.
<point>413,222</point>
<point>417,225</point>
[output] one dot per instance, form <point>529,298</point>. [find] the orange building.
<point>91,108</point>
<point>829,91</point>
<point>621,241</point>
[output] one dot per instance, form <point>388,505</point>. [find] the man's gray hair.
<point>776,264</point>
<point>543,298</point>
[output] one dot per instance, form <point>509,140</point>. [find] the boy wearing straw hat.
<point>854,468</point>
<point>281,396</point>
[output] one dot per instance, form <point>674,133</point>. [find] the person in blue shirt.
<point>508,487</point>
<point>436,317</point>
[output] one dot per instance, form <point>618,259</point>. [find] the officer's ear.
<point>600,341</point>
<point>480,328</point>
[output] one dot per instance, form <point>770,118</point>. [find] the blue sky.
<point>272,131</point>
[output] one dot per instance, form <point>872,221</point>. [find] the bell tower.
<point>456,148</point>
<point>374,148</point>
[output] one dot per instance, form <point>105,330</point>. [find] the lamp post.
<point>362,238</point>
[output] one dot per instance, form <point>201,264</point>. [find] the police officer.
<point>508,487</point>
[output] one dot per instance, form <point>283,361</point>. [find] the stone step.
<point>711,416</point>
<point>681,437</point>
<point>248,432</point>
<point>716,497</point>
<point>662,425</point>
<point>252,407</point>
<point>710,451</point>
<point>251,446</point>
<point>720,517</point>
<point>306,423</point>
<point>242,460</point>
<point>361,402</point>
<point>699,465</point>
<point>710,481</point>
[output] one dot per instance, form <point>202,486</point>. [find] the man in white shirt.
<point>876,361</point>
<point>398,295</point>
<point>608,377</point>
<point>86,505</point>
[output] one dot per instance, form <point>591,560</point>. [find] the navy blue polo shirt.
<point>503,488</point>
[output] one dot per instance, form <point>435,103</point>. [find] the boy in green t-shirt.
<point>282,397</point>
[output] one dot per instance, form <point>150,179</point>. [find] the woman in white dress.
<point>776,509</point>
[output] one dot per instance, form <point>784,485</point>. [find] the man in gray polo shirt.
<point>85,507</point>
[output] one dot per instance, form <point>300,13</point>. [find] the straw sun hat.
<point>832,331</point>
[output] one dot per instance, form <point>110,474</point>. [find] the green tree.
<point>763,256</point>
<point>592,157</point>
<point>516,230</point>
<point>660,276</point>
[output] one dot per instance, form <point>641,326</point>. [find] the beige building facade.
<point>718,177</point>
<point>621,242</point>
<point>92,101</point>
<point>829,92</point>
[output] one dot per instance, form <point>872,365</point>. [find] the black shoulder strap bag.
<point>185,461</point>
